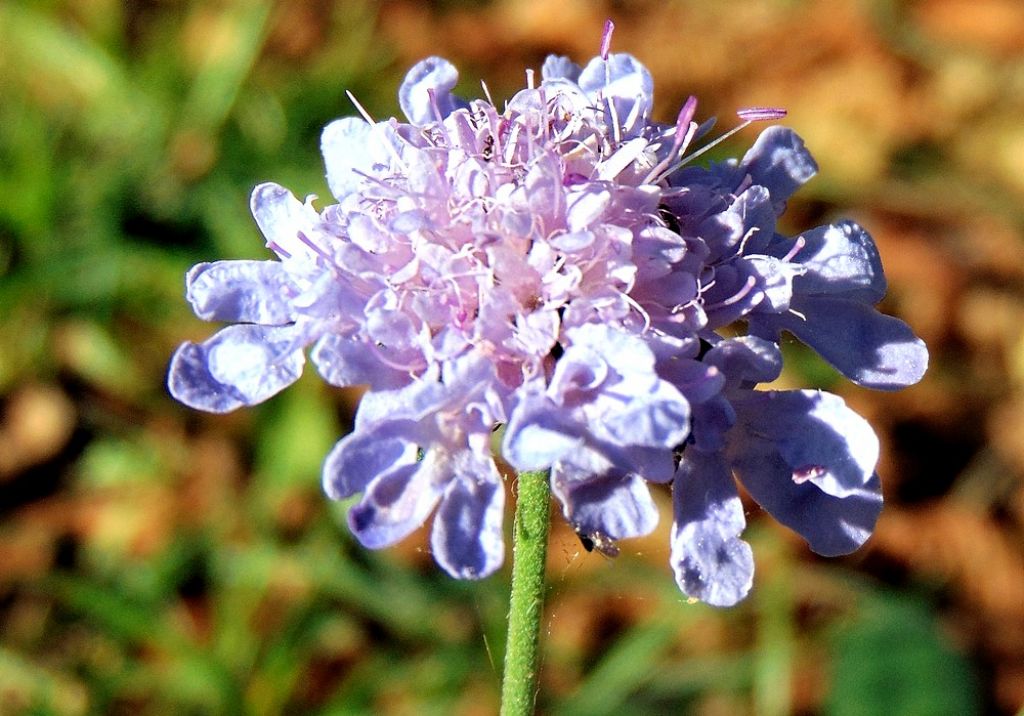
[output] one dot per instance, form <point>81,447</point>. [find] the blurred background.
<point>158,561</point>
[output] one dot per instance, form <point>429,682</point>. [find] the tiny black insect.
<point>599,542</point>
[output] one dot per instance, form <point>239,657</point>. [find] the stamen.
<point>434,105</point>
<point>761,114</point>
<point>606,38</point>
<point>746,237</point>
<point>614,117</point>
<point>510,143</point>
<point>690,157</point>
<point>736,297</point>
<point>529,78</point>
<point>278,249</point>
<point>360,108</point>
<point>639,309</point>
<point>685,119</point>
<point>314,248</point>
<point>798,245</point>
<point>487,92</point>
<point>684,133</point>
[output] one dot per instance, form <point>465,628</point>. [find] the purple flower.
<point>559,268</point>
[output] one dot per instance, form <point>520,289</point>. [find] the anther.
<point>798,244</point>
<point>761,114</point>
<point>606,38</point>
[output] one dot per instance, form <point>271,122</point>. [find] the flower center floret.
<point>488,228</point>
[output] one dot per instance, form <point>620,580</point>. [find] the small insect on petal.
<point>598,542</point>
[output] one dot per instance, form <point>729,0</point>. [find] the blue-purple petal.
<point>868,347</point>
<point>748,225</point>
<point>559,67</point>
<point>190,382</point>
<point>780,162</point>
<point>660,418</point>
<point>746,359</point>
<point>625,85</point>
<point>832,526</point>
<point>281,217</point>
<point>537,435</point>
<point>787,451</point>
<point>615,504</point>
<point>346,147</point>
<point>842,260</point>
<point>824,442</point>
<point>710,561</point>
<point>358,458</point>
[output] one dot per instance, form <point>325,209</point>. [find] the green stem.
<point>529,555</point>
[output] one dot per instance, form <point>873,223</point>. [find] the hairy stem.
<point>529,555</point>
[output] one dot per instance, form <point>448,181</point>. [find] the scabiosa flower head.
<point>559,267</point>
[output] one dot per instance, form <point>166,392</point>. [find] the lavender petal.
<point>467,539</point>
<point>432,76</point>
<point>239,365</point>
<point>241,291</point>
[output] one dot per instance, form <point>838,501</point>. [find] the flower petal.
<point>433,75</point>
<point>558,67</point>
<point>822,440</point>
<point>239,365</point>
<point>780,162</point>
<point>868,347</point>
<point>748,225</point>
<point>241,291</point>
<point>345,361</point>
<point>346,146</point>
<point>746,359</point>
<point>256,361</point>
<point>795,459</point>
<point>660,418</point>
<point>395,504</point>
<point>281,217</point>
<point>421,397</point>
<point>610,502</point>
<point>775,280</point>
<point>625,84</point>
<point>467,539</point>
<point>361,456</point>
<point>538,435</point>
<point>710,561</point>
<point>840,259</point>
<point>190,382</point>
